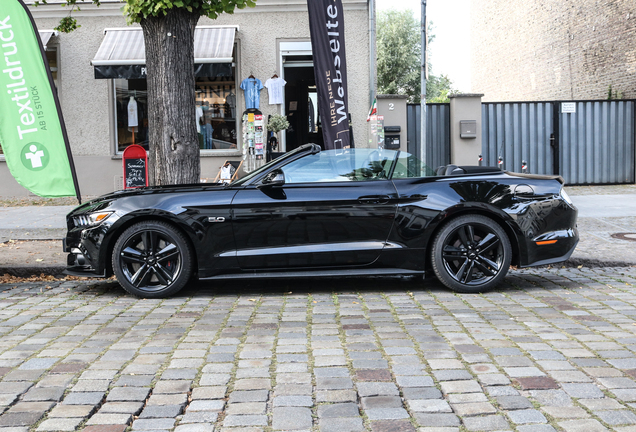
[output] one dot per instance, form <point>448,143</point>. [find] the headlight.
<point>91,219</point>
<point>566,197</point>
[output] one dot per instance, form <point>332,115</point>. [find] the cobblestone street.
<point>553,349</point>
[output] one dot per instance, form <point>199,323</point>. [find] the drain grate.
<point>625,236</point>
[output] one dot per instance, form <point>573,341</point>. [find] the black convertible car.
<point>327,213</point>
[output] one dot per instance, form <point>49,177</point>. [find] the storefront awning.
<point>122,52</point>
<point>45,36</point>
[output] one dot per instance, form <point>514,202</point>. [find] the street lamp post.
<point>423,88</point>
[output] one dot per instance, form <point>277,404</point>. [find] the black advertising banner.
<point>326,25</point>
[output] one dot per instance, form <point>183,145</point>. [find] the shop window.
<point>215,108</point>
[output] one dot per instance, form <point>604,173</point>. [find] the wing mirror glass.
<point>274,178</point>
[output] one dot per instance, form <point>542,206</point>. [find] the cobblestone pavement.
<point>553,349</point>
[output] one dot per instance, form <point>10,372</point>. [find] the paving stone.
<point>245,420</point>
<point>626,395</point>
<point>392,426</point>
<point>248,396</point>
<point>429,406</point>
<point>44,394</point>
<point>437,420</point>
<point>366,389</point>
<point>565,412</point>
<point>77,398</point>
<point>338,410</point>
<point>214,392</point>
<point>381,402</point>
<point>199,417</point>
<point>246,408</point>
<point>38,363</point>
<point>71,411</point>
<point>206,405</point>
<point>618,417</point>
<point>513,402</point>
<point>291,418</point>
<point>153,424</point>
<point>199,427</point>
<point>526,416</point>
<point>537,383</point>
<point>128,394</point>
<point>414,381</point>
<point>105,428</point>
<point>60,424</point>
<point>387,414</point>
<point>587,425</point>
<point>336,396</point>
<point>472,409</point>
<point>133,408</point>
<point>161,411</point>
<point>341,424</point>
<point>293,401</point>
<point>460,398</point>
<point>109,419</point>
<point>536,428</point>
<point>421,393</point>
<point>486,423</point>
<point>371,375</point>
<point>469,386</point>
<point>584,391</point>
<point>134,381</point>
<point>601,404</point>
<point>19,419</point>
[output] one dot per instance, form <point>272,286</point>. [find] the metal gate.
<point>437,133</point>
<point>592,142</point>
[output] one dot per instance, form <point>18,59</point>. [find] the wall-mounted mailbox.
<point>468,128</point>
<point>392,137</point>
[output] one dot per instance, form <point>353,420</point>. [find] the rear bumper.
<point>546,254</point>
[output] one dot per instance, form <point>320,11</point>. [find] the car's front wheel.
<point>152,259</point>
<point>471,254</point>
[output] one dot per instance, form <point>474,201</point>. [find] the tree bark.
<point>174,144</point>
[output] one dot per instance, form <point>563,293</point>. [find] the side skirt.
<point>317,273</point>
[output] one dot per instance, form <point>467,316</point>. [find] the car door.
<point>328,213</point>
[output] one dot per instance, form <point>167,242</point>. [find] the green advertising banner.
<point>32,131</point>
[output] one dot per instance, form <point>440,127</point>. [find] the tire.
<point>152,259</point>
<point>471,254</point>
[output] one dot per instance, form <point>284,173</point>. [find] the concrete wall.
<point>553,49</point>
<point>393,108</point>
<point>86,102</point>
<point>465,151</point>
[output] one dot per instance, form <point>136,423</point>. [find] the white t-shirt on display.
<point>275,90</point>
<point>133,122</point>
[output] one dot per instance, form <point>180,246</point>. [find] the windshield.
<point>267,166</point>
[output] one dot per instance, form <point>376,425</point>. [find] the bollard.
<point>524,167</point>
<point>480,160</point>
<point>500,163</point>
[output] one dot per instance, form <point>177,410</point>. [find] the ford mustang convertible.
<point>310,213</point>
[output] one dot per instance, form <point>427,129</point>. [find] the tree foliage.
<point>399,58</point>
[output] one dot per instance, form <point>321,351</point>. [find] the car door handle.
<point>374,199</point>
<point>412,198</point>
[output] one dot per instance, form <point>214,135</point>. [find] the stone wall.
<point>553,49</point>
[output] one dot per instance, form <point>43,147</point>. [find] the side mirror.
<point>274,178</point>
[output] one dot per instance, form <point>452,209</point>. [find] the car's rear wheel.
<point>471,254</point>
<point>152,259</point>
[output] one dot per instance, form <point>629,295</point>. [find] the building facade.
<point>553,49</point>
<point>102,88</point>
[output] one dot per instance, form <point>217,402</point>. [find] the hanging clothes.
<point>275,90</point>
<point>252,88</point>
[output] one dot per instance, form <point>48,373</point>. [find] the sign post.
<point>135,167</point>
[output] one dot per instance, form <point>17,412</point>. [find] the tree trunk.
<point>174,144</point>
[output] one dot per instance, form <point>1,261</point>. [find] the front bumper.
<point>77,263</point>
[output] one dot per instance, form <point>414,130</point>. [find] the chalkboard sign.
<point>135,167</point>
<point>135,173</point>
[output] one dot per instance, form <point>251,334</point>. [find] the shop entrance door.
<point>301,104</point>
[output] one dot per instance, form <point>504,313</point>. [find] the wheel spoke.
<point>141,275</point>
<point>489,262</point>
<point>164,276</point>
<point>167,253</point>
<point>469,273</point>
<point>452,253</point>
<point>487,271</point>
<point>488,243</point>
<point>466,235</point>
<point>131,255</point>
<point>460,273</point>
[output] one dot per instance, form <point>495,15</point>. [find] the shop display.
<point>376,131</point>
<point>254,133</point>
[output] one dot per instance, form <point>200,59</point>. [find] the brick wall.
<point>553,49</point>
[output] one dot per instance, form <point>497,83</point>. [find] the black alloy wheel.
<point>471,254</point>
<point>152,259</point>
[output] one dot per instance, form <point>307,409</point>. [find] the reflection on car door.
<point>305,225</point>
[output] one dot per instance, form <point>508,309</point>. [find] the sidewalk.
<point>30,237</point>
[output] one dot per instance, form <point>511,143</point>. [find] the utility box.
<point>393,109</point>
<point>392,139</point>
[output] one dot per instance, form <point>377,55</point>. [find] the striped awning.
<point>125,46</point>
<point>45,36</point>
